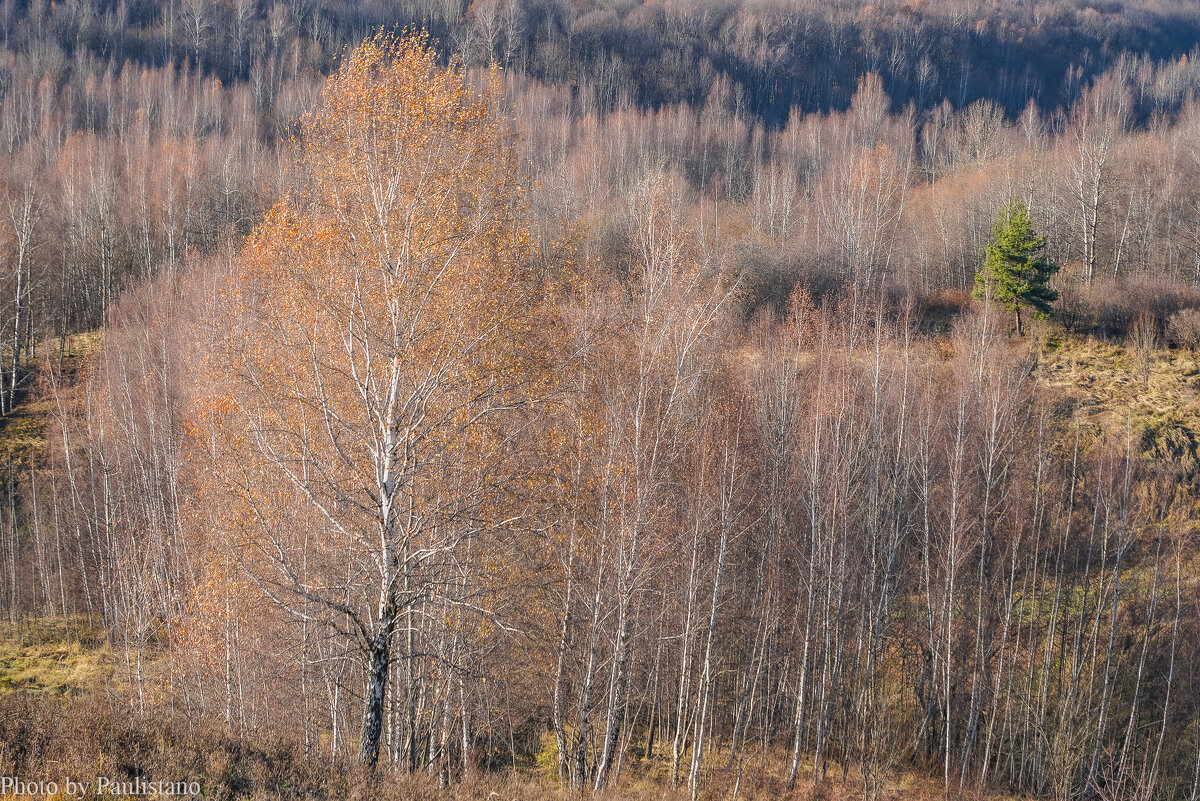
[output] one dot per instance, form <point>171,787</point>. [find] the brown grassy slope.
<point>1157,403</point>
<point>52,655</point>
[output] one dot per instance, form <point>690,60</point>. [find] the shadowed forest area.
<point>535,398</point>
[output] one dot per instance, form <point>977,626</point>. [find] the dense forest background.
<point>732,488</point>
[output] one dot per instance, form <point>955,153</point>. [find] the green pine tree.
<point>1014,273</point>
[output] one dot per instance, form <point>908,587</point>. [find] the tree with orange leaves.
<point>374,385</point>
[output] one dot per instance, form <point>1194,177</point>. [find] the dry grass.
<point>22,432</point>
<point>1159,408</point>
<point>52,655</point>
<point>48,737</point>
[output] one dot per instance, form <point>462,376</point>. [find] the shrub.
<point>1183,328</point>
<point>1109,308</point>
<point>940,309</point>
<point>1141,341</point>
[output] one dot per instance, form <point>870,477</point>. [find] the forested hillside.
<point>705,400</point>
